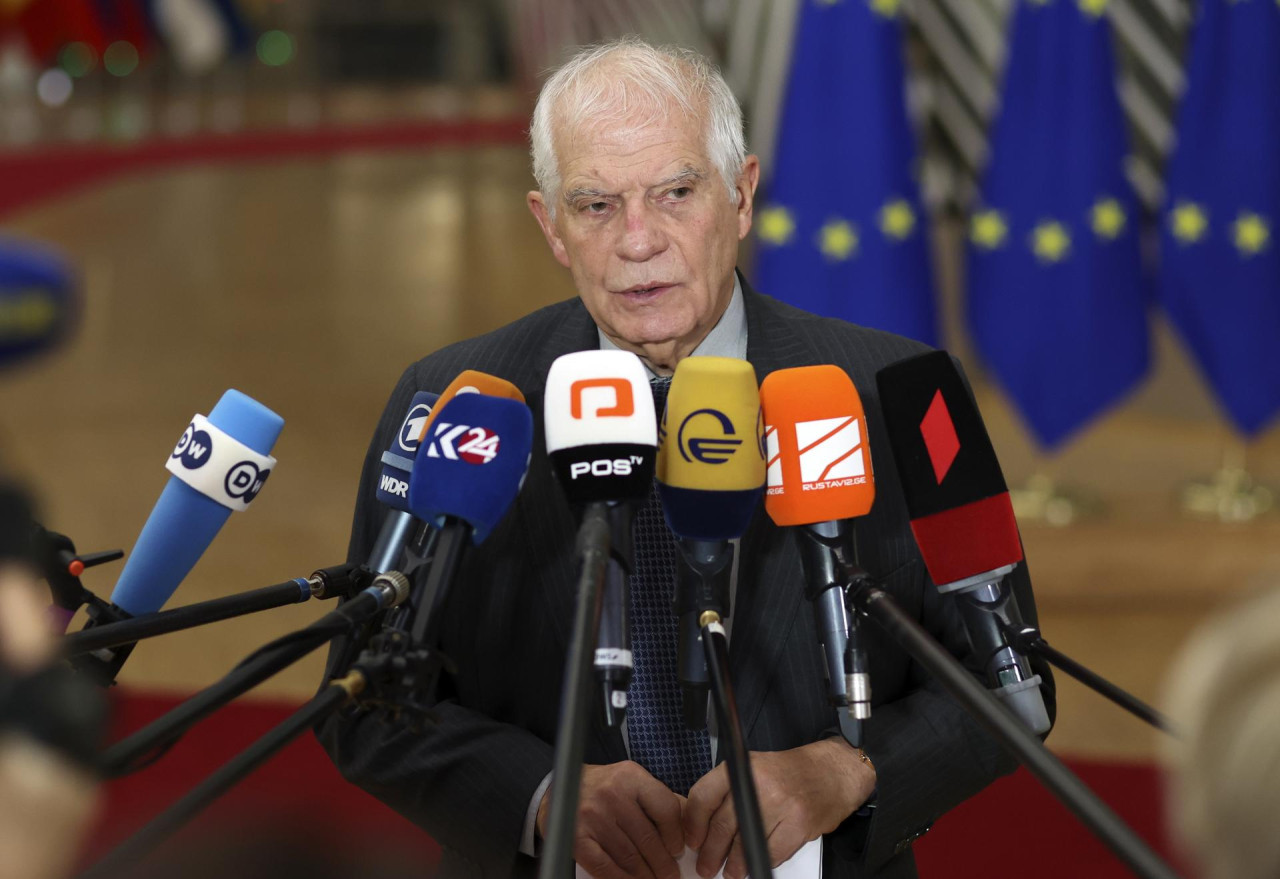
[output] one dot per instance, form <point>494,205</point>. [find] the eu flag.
<point>842,232</point>
<point>1057,302</point>
<point>1220,267</point>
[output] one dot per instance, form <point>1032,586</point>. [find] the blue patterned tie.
<point>659,740</point>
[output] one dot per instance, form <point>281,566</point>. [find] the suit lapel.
<point>769,595</point>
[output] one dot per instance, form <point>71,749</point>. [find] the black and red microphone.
<point>961,515</point>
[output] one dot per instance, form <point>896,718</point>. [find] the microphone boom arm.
<point>1028,749</point>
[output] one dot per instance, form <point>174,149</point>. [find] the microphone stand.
<point>333,697</point>
<point>593,547</point>
<point>866,598</point>
<point>387,590</point>
<point>325,583</point>
<point>746,803</point>
<point>1029,640</point>
<point>702,600</point>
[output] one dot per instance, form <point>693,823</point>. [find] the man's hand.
<point>804,793</point>
<point>628,824</point>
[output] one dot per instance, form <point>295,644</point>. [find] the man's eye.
<point>597,207</point>
<point>681,192</point>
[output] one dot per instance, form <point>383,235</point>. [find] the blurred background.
<point>298,198</point>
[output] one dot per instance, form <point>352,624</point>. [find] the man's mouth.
<point>646,292</point>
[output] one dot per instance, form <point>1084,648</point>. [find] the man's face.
<point>645,225</point>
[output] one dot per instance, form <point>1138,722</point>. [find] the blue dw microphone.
<point>218,466</point>
<point>467,474</point>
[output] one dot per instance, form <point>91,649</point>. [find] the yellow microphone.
<point>711,467</point>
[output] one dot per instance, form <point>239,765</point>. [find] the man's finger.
<point>592,858</point>
<point>664,810</point>
<point>639,828</point>
<point>621,850</point>
<point>785,840</point>
<point>721,829</point>
<point>705,797</point>
<point>735,866</point>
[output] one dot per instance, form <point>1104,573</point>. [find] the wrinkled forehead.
<point>635,139</point>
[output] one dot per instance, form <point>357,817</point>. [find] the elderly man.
<point>644,191</point>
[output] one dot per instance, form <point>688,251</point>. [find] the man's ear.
<point>748,180</point>
<point>540,213</point>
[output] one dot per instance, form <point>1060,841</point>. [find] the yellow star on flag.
<point>897,219</point>
<point>1251,233</point>
<point>1107,218</point>
<point>987,229</point>
<point>838,240</point>
<point>776,225</point>
<point>1188,222</point>
<point>1093,7</point>
<point>886,8</point>
<point>1050,241</point>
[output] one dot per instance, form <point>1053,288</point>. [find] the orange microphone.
<point>819,477</point>
<point>470,381</point>
<point>819,468</point>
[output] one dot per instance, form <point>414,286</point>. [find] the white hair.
<point>1224,699</point>
<point>633,81</point>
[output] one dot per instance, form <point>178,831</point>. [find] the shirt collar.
<point>728,338</point>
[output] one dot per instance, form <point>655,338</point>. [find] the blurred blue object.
<point>1057,294</point>
<point>38,299</point>
<point>1220,267</point>
<point>842,232</point>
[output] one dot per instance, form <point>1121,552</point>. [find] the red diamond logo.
<point>940,437</point>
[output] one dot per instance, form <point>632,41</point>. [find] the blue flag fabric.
<point>1220,264</point>
<point>842,232</point>
<point>1057,301</point>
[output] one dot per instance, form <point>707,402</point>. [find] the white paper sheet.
<point>804,864</point>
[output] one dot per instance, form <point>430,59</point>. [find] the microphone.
<point>820,479</point>
<point>711,471</point>
<point>961,515</point>
<point>469,469</point>
<point>218,466</point>
<point>38,301</point>
<point>601,433</point>
<point>393,484</point>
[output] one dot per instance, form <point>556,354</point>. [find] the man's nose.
<point>642,235</point>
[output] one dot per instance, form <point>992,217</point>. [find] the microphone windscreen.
<point>816,444</point>
<point>472,463</point>
<point>38,300</point>
<point>397,461</point>
<point>185,520</point>
<point>471,381</point>
<point>711,454</point>
<point>956,495</point>
<point>600,424</point>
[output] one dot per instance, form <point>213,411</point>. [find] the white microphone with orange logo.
<point>602,438</point>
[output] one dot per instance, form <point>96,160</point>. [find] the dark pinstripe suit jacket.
<point>469,780</point>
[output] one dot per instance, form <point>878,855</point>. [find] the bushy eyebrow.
<point>684,176</point>
<point>582,192</point>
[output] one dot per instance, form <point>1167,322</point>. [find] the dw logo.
<point>245,480</point>
<point>411,430</point>
<point>193,448</point>
<point>707,442</point>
